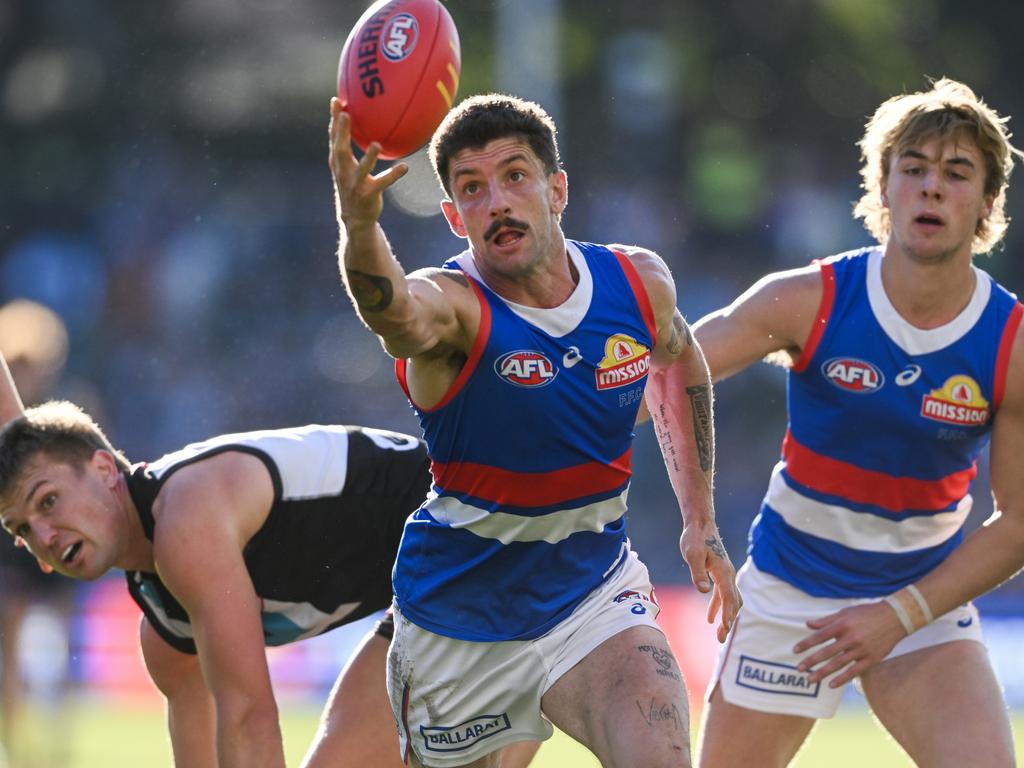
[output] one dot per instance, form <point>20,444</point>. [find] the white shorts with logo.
<point>455,701</point>
<point>757,667</point>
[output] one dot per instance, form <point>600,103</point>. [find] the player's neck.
<point>548,284</point>
<point>927,295</point>
<point>137,550</point>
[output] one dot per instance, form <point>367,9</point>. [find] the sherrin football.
<point>398,74</point>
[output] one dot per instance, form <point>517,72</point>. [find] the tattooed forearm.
<point>664,435</point>
<point>371,293</point>
<point>703,429</point>
<point>715,545</point>
<point>663,658</point>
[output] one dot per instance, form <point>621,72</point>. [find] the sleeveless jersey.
<point>531,458</point>
<point>886,422</point>
<point>323,556</point>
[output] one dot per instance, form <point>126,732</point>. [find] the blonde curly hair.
<point>949,110</point>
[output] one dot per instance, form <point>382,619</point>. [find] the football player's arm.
<point>412,314</point>
<point>10,401</point>
<point>191,721</point>
<point>205,514</point>
<point>990,555</point>
<point>775,315</point>
<point>679,398</point>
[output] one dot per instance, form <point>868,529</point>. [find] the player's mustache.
<point>499,224</point>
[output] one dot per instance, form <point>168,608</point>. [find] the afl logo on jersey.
<point>399,36</point>
<point>525,368</point>
<point>625,360</point>
<point>853,375</point>
<point>958,401</point>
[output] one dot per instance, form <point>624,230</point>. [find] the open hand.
<point>712,571</point>
<point>861,635</point>
<point>358,194</point>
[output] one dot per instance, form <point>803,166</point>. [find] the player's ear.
<point>104,463</point>
<point>44,567</point>
<point>986,208</point>
<point>559,191</point>
<point>451,213</point>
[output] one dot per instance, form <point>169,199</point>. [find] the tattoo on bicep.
<point>664,660</point>
<point>680,332</point>
<point>654,712</point>
<point>372,293</point>
<point>715,545</point>
<point>700,403</point>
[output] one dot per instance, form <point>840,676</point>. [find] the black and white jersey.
<point>324,555</point>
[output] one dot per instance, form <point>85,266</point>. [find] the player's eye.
<point>22,531</point>
<point>48,501</point>
<point>517,176</point>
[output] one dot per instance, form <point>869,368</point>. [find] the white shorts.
<point>455,701</point>
<point>757,667</point>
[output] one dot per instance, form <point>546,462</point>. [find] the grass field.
<point>96,734</point>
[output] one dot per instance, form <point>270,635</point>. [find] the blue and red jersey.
<point>886,422</point>
<point>531,454</point>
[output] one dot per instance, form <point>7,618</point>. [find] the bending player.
<point>904,358</point>
<point>518,601</point>
<point>230,544</point>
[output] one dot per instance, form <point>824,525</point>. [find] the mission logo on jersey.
<point>625,360</point>
<point>853,375</point>
<point>958,401</point>
<point>525,368</point>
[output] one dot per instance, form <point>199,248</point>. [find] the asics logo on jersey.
<point>573,356</point>
<point>525,368</point>
<point>908,376</point>
<point>853,375</point>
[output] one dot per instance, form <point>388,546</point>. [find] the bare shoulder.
<point>444,278</point>
<point>231,492</point>
<point>1013,398</point>
<point>792,293</point>
<point>642,258</point>
<point>654,272</point>
<point>775,315</point>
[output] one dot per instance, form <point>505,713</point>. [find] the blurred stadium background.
<point>165,191</point>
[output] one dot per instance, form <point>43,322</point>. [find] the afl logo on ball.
<point>398,38</point>
<point>525,368</point>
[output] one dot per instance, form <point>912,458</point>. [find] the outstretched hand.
<point>712,571</point>
<point>358,194</point>
<point>861,635</point>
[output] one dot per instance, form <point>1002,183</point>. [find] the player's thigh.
<point>357,729</point>
<point>731,735</point>
<point>625,701</point>
<point>917,694</point>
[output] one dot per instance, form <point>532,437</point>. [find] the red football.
<point>398,74</point>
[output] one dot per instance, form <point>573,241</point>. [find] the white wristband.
<point>922,603</point>
<point>901,613</point>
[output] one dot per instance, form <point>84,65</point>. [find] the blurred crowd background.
<point>165,191</point>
